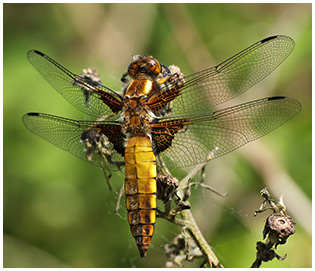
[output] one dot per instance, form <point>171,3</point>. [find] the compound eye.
<point>132,69</point>
<point>154,66</point>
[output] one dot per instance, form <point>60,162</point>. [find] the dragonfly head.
<point>144,67</point>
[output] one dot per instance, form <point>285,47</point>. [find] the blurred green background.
<point>58,210</point>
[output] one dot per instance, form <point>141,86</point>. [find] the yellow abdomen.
<point>140,189</point>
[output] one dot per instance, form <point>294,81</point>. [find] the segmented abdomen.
<point>140,189</point>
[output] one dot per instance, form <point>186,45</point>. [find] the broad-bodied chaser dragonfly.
<point>162,113</point>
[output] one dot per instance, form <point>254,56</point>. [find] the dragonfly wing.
<point>87,95</point>
<point>222,131</point>
<point>91,141</point>
<point>205,89</point>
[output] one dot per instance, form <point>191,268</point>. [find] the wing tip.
<point>37,52</point>
<point>297,104</point>
<point>32,114</point>
<point>289,39</point>
<point>269,38</point>
<point>276,98</point>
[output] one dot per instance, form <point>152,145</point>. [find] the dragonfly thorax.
<point>136,116</point>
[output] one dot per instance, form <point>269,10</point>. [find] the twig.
<point>184,182</point>
<point>188,221</point>
<point>206,187</point>
<point>193,229</point>
<point>121,192</point>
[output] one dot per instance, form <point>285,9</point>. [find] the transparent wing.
<point>223,131</point>
<point>91,141</point>
<point>87,95</point>
<point>205,89</point>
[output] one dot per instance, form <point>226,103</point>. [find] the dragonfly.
<point>162,115</point>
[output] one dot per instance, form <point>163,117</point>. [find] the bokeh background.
<point>58,210</point>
